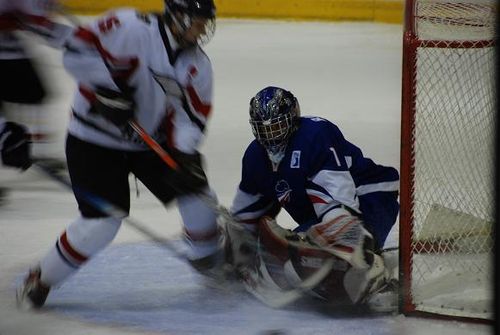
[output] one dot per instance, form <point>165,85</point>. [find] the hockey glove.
<point>344,236</point>
<point>189,176</point>
<point>116,106</point>
<point>9,22</point>
<point>15,146</point>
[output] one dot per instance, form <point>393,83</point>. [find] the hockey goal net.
<point>447,156</point>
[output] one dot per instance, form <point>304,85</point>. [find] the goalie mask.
<point>274,116</point>
<point>193,20</point>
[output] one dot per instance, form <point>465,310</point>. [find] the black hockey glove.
<point>9,21</point>
<point>15,146</point>
<point>116,106</point>
<point>189,176</point>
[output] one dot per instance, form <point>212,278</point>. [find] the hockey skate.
<point>385,299</point>
<point>33,293</point>
<point>213,267</point>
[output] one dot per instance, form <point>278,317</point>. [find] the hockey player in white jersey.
<point>344,205</point>
<point>20,82</point>
<point>149,68</point>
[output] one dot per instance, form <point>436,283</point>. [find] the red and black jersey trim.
<point>172,55</point>
<point>196,105</point>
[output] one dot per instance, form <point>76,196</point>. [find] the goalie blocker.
<point>284,259</point>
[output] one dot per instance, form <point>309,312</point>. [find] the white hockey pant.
<point>81,240</point>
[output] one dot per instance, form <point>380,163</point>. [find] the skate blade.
<point>22,301</point>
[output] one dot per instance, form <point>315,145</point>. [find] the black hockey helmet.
<point>194,8</point>
<point>182,13</point>
<point>274,116</point>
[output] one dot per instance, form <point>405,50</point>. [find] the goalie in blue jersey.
<point>344,205</point>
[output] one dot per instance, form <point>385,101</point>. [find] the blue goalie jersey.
<point>320,171</point>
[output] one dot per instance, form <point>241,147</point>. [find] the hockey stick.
<point>261,286</point>
<point>108,208</point>
<point>153,145</point>
<point>167,159</point>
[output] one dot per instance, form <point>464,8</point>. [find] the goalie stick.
<point>261,286</point>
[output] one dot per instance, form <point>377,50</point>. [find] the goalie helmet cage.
<point>447,156</point>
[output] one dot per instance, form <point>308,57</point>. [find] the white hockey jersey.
<point>11,46</point>
<point>172,87</point>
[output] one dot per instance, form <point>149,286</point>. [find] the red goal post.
<point>447,157</point>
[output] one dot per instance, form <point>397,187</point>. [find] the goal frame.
<point>407,169</point>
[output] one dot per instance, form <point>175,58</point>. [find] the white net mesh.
<point>454,20</point>
<point>453,151</point>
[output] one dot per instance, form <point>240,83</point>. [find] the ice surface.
<point>349,73</point>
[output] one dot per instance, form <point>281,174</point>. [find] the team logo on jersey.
<point>283,191</point>
<point>317,119</point>
<point>295,161</point>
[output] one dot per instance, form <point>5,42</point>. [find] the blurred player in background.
<point>20,84</point>
<point>15,148</point>
<point>344,203</point>
<point>148,68</point>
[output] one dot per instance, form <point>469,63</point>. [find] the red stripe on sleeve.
<point>120,68</point>
<point>317,200</point>
<point>198,105</point>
